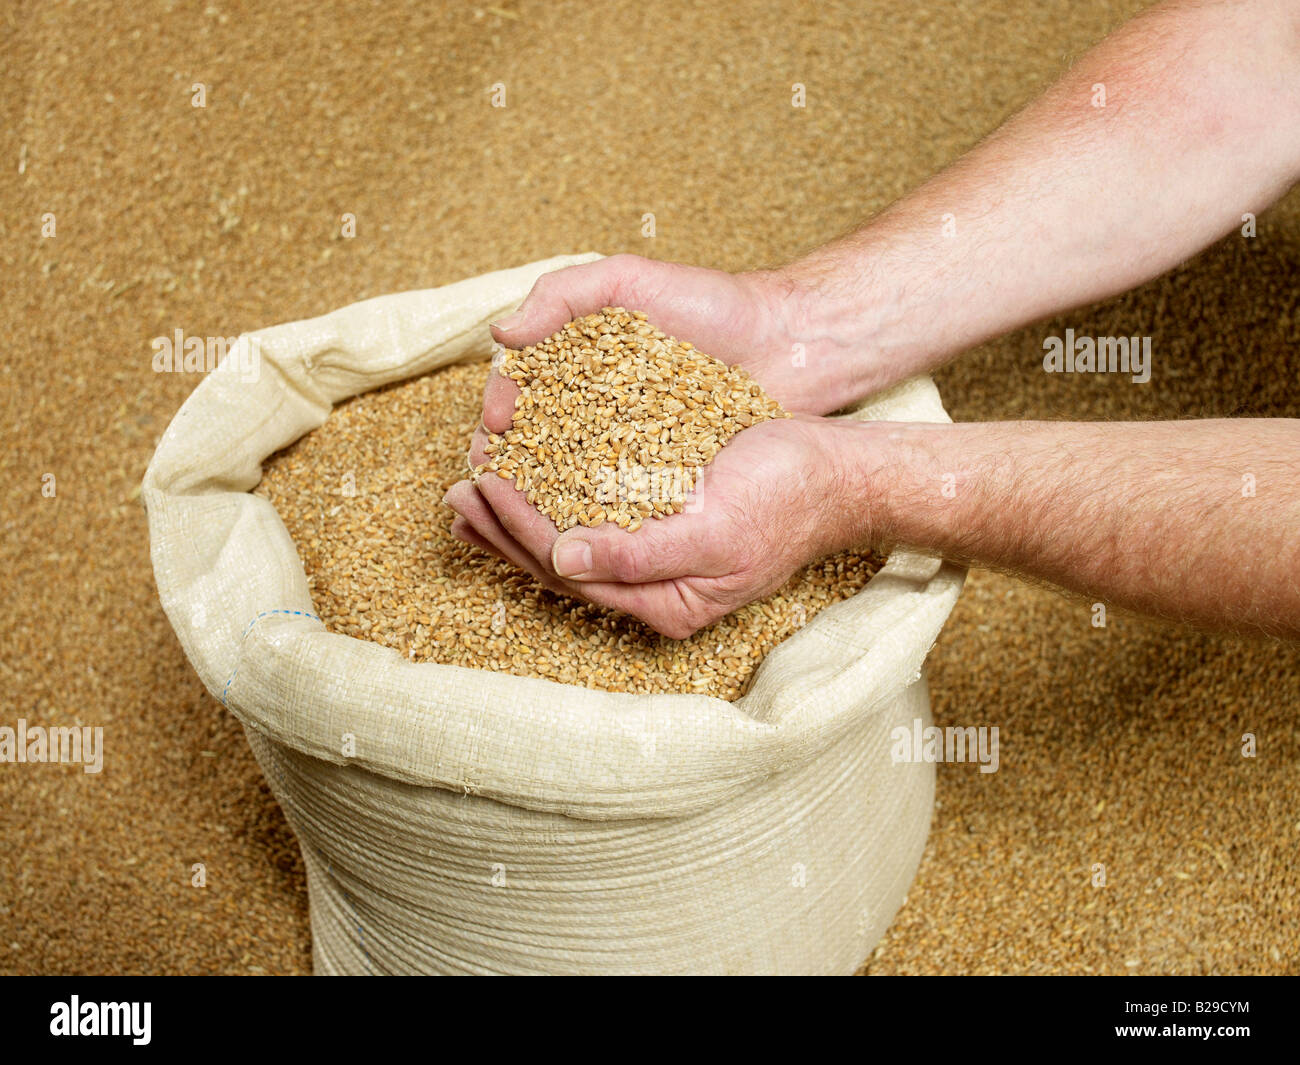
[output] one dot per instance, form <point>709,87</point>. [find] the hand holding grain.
<point>762,509</point>
<point>754,320</point>
<point>612,425</point>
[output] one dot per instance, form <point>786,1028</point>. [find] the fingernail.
<point>509,322</point>
<point>571,557</point>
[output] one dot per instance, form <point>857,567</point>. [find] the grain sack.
<point>457,820</point>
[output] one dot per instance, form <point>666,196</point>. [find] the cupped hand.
<point>754,320</point>
<point>762,509</point>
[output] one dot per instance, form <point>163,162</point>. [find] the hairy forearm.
<point>1070,202</point>
<point>1191,520</point>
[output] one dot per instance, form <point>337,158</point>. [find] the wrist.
<point>853,319</point>
<point>860,473</point>
<point>891,483</point>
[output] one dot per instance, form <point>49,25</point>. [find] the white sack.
<point>492,823</point>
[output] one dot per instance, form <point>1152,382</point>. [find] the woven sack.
<point>456,820</point>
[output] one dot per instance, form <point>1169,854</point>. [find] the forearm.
<point>1191,520</point>
<point>1069,202</point>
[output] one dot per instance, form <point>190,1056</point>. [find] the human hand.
<point>762,509</point>
<point>755,320</point>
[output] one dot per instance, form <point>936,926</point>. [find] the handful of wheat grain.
<point>616,420</point>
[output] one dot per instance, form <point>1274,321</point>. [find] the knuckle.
<point>701,617</point>
<point>674,626</point>
<point>625,260</point>
<point>623,558</point>
<point>544,286</point>
<point>627,276</point>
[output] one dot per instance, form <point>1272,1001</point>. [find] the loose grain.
<point>615,420</point>
<point>361,497</point>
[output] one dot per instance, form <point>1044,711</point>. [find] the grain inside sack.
<point>615,422</point>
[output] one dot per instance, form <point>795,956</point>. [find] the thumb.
<point>556,299</point>
<point>679,545</point>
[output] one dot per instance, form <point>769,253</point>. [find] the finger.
<point>463,497</point>
<point>559,297</point>
<point>472,508</point>
<point>662,549</point>
<point>672,608</point>
<point>479,522</point>
<point>478,448</point>
<point>495,542</point>
<point>462,530</point>
<point>663,607</point>
<point>527,525</point>
<point>710,308</point>
<point>499,395</point>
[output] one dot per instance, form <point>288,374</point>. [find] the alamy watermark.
<point>70,745</point>
<point>922,743</point>
<point>1071,354</point>
<point>630,482</point>
<point>77,1018</point>
<point>178,353</point>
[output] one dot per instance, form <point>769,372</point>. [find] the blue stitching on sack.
<point>226,691</point>
<point>268,613</point>
<point>264,614</point>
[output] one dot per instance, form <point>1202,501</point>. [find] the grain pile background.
<point>1120,746</point>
